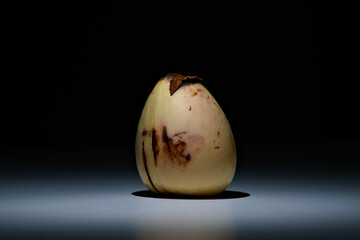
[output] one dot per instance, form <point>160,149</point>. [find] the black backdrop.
<point>76,76</point>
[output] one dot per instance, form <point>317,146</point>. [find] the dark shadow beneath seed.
<point>224,195</point>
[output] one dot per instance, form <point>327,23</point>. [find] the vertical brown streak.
<point>146,168</point>
<point>155,145</point>
<point>165,138</point>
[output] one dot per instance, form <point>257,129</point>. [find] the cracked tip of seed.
<point>177,80</point>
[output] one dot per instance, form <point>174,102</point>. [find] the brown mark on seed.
<point>179,134</point>
<point>155,145</point>
<point>144,133</point>
<point>218,133</point>
<point>196,92</point>
<point>175,151</point>
<point>177,79</point>
<point>190,108</point>
<point>217,147</point>
<point>146,168</point>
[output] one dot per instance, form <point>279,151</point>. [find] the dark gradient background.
<point>75,79</point>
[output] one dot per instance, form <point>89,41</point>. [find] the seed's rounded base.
<point>213,191</point>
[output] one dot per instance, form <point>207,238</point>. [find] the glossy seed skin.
<point>184,143</point>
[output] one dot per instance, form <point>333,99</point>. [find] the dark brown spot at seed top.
<point>177,80</point>
<point>144,133</point>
